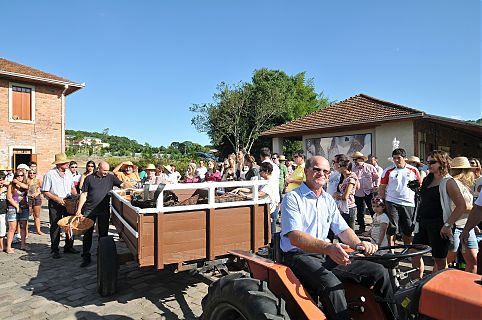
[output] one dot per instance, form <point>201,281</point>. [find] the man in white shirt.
<point>57,184</point>
<point>399,198</point>
<point>265,155</point>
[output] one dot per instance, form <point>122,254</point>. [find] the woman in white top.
<point>475,164</point>
<point>461,171</point>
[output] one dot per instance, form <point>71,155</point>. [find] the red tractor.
<point>272,291</point>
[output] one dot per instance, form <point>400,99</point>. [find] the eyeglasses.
<point>73,167</point>
<point>90,166</point>
<point>20,175</point>
<point>431,162</point>
<point>32,173</point>
<point>320,170</point>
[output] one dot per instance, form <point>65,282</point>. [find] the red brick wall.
<point>44,135</point>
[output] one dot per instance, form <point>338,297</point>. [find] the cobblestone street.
<point>35,286</point>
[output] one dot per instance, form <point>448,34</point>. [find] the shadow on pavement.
<point>63,281</point>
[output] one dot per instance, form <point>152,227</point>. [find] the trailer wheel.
<point>240,297</point>
<point>107,267</point>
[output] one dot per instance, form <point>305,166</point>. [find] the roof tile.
<point>356,110</point>
<point>10,66</point>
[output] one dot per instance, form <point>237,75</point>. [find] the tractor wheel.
<point>107,267</point>
<point>240,297</point>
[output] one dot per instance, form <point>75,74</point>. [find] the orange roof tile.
<point>19,69</point>
<point>357,110</point>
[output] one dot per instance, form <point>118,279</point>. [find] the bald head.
<point>316,160</point>
<point>103,168</point>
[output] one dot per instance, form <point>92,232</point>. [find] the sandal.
<point>10,251</point>
<point>24,247</point>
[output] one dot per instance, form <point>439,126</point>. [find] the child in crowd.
<point>380,223</point>
<point>3,209</point>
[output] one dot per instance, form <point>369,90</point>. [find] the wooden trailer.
<point>184,236</point>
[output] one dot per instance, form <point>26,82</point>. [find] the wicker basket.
<point>74,225</point>
<point>190,201</point>
<point>71,203</point>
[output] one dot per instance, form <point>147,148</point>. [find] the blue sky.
<point>146,62</point>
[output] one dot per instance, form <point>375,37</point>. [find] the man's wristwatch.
<point>448,225</point>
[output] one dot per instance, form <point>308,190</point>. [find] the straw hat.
<point>414,159</point>
<point>23,166</point>
<point>61,158</point>
<point>168,168</point>
<point>357,155</point>
<point>282,158</point>
<point>460,163</point>
<point>150,166</point>
<point>2,167</point>
<point>126,164</point>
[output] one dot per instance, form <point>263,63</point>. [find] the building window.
<point>21,103</point>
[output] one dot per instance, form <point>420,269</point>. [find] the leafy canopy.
<point>239,113</point>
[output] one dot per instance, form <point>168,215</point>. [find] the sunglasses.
<point>320,170</point>
<point>20,175</point>
<point>90,166</point>
<point>73,167</point>
<point>472,163</point>
<point>32,173</point>
<point>431,162</point>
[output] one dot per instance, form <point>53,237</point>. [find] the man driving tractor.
<point>308,213</point>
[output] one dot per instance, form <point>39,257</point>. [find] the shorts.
<point>400,217</point>
<point>3,225</point>
<point>12,214</point>
<point>429,234</point>
<point>472,243</point>
<point>34,201</point>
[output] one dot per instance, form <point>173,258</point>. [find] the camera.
<point>414,185</point>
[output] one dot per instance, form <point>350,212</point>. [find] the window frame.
<point>10,102</point>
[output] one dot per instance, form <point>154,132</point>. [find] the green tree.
<point>241,112</point>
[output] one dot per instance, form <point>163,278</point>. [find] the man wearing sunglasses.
<point>308,214</point>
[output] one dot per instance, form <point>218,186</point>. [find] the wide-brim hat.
<point>460,163</point>
<point>150,166</point>
<point>61,158</point>
<point>357,155</point>
<point>282,158</point>
<point>414,159</point>
<point>2,167</point>
<point>127,164</point>
<point>168,168</point>
<point>23,166</point>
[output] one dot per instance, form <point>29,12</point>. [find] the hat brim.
<point>61,162</point>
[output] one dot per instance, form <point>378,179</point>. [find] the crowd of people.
<point>319,199</point>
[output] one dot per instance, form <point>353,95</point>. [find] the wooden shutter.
<point>21,103</point>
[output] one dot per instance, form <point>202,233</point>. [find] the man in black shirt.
<point>94,204</point>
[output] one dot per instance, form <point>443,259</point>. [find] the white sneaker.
<point>16,238</point>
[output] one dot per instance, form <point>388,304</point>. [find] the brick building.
<point>368,124</point>
<point>32,114</point>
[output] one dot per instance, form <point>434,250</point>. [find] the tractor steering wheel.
<point>417,249</point>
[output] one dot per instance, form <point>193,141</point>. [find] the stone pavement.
<point>33,285</point>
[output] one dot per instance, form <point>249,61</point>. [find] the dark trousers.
<point>57,212</point>
<point>325,277</point>
<point>360,208</point>
<point>102,219</point>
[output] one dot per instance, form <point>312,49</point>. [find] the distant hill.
<point>118,145</point>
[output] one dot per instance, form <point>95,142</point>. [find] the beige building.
<point>370,125</point>
<point>32,114</point>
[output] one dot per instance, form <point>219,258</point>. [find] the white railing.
<point>211,191</point>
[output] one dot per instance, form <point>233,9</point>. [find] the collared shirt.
<point>368,178</point>
<point>58,185</point>
<point>302,210</point>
